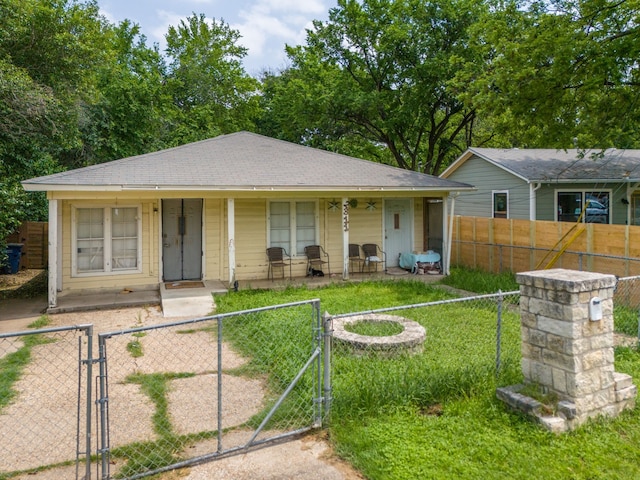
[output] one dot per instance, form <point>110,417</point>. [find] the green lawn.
<point>434,415</point>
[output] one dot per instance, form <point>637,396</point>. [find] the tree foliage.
<point>560,73</point>
<point>76,90</point>
<point>210,90</point>
<point>378,72</point>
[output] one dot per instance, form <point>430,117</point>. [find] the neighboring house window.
<point>106,239</point>
<point>500,204</point>
<point>571,204</point>
<point>635,208</point>
<point>292,223</point>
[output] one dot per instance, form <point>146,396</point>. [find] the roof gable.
<point>551,165</point>
<point>242,161</point>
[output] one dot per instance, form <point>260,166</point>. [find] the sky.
<point>265,26</point>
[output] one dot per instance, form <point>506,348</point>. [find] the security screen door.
<point>182,239</point>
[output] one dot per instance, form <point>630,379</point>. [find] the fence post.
<point>499,333</point>
<point>89,363</point>
<point>638,333</point>
<point>327,321</point>
<point>103,450</point>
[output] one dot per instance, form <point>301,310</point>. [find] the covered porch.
<point>196,301</point>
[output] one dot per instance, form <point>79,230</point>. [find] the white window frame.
<point>493,200</point>
<point>583,192</point>
<point>107,239</point>
<point>292,222</point>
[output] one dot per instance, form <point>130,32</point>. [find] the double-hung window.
<point>292,225</point>
<point>106,240</point>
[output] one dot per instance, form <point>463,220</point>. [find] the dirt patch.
<point>25,283</point>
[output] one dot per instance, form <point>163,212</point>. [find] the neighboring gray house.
<point>549,184</point>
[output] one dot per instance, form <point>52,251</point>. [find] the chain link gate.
<point>181,393</point>
<point>45,400</point>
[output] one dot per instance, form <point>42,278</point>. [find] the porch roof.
<point>242,161</point>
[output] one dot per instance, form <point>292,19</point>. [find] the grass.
<point>144,456</point>
<point>479,281</point>
<point>435,415</point>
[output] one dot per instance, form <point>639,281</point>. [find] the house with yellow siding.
<point>209,210</point>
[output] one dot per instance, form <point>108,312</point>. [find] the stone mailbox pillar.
<point>566,352</point>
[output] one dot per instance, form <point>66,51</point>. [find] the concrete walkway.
<point>190,301</point>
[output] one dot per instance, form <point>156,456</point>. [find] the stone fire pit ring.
<point>411,338</point>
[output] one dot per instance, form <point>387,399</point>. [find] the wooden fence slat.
<point>519,245</point>
<point>34,237</point>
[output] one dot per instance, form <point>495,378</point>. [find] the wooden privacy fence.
<point>34,236</point>
<point>497,245</point>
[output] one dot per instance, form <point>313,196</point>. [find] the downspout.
<point>450,233</point>
<point>533,187</point>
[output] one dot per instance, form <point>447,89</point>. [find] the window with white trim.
<point>500,202</point>
<point>106,240</point>
<point>292,223</point>
<point>588,206</point>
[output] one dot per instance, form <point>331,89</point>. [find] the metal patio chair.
<point>355,258</point>
<point>278,258</point>
<point>316,258</point>
<point>373,255</point>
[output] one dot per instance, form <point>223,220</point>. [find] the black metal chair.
<point>278,258</point>
<point>355,258</point>
<point>316,258</point>
<point>373,255</point>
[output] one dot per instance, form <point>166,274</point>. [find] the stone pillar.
<point>566,353</point>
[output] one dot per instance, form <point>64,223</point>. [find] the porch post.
<point>345,238</point>
<point>53,253</point>
<point>448,232</point>
<point>231,229</point>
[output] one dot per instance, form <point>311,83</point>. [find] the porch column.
<point>448,232</point>
<point>345,238</point>
<point>231,229</point>
<point>53,253</point>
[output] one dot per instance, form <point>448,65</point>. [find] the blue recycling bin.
<point>14,252</point>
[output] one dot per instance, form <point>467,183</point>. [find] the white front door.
<point>398,229</point>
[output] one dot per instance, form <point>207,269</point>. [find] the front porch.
<point>197,301</point>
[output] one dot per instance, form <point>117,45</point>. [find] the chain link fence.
<point>181,393</point>
<point>457,347</point>
<point>45,402</point>
<point>177,394</point>
<point>626,311</point>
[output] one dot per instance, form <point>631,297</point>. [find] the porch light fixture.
<point>334,206</point>
<point>371,205</point>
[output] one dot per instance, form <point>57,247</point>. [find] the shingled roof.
<point>242,161</point>
<point>551,165</point>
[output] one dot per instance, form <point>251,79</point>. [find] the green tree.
<point>559,74</point>
<point>128,115</point>
<point>378,75</point>
<point>211,92</point>
<point>29,115</point>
